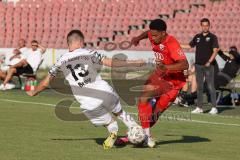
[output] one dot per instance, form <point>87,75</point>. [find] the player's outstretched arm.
<point>135,40</point>
<point>43,84</point>
<point>123,63</point>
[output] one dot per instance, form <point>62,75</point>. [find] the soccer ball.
<point>136,134</point>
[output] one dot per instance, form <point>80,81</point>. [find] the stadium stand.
<point>112,20</point>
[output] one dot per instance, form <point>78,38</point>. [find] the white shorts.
<point>102,115</point>
<point>98,101</point>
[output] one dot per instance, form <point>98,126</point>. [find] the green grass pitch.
<point>30,130</point>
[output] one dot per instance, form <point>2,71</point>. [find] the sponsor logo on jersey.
<point>159,56</point>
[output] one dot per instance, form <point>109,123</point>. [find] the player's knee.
<point>150,90</point>
<point>143,99</point>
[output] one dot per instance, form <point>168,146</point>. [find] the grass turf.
<point>33,132</point>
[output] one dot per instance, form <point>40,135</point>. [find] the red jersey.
<point>168,52</point>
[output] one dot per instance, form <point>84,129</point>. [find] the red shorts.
<point>166,82</point>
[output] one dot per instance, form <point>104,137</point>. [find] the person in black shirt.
<point>230,68</point>
<point>207,47</point>
<point>221,78</point>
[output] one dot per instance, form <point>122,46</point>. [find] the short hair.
<point>205,20</point>
<point>74,35</point>
<point>34,41</point>
<point>22,40</point>
<point>158,24</point>
<point>233,48</point>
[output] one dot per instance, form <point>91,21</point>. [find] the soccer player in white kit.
<point>97,98</point>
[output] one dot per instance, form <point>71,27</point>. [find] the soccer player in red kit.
<point>167,79</point>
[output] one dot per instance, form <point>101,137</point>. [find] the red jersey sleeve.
<point>175,50</point>
<point>150,37</point>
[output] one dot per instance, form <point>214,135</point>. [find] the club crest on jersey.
<point>161,46</point>
<point>208,39</point>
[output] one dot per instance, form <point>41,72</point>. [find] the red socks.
<point>145,114</point>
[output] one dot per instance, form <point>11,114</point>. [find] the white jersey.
<point>33,58</point>
<point>80,68</point>
<point>24,51</point>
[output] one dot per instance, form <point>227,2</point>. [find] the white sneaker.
<point>213,111</point>
<point>149,141</point>
<point>7,86</point>
<point>197,110</point>
<point>1,87</point>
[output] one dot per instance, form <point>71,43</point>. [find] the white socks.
<point>127,119</point>
<point>147,132</point>
<point>113,127</point>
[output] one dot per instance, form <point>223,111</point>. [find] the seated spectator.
<point>5,65</point>
<point>221,78</point>
<point>22,47</point>
<point>28,64</point>
<point>230,69</point>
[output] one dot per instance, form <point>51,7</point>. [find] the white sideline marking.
<point>214,123</point>
<point>180,119</point>
<point>202,122</point>
<point>24,102</point>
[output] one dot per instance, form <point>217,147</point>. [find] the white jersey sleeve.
<point>55,69</point>
<point>97,58</point>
